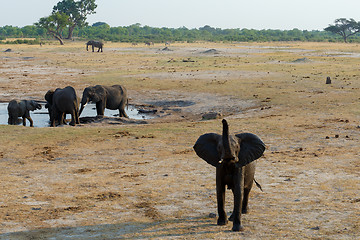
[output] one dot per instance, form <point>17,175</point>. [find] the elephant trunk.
<point>38,106</point>
<point>225,139</point>
<point>82,105</point>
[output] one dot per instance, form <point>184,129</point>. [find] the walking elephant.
<point>234,158</point>
<point>110,97</point>
<point>60,102</point>
<point>22,109</point>
<point>94,44</point>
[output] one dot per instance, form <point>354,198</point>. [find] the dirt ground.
<point>115,179</point>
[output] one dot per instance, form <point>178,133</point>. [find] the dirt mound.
<point>166,49</point>
<point>301,60</point>
<point>211,51</point>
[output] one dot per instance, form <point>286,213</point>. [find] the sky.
<point>250,14</point>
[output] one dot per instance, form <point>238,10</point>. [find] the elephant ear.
<point>206,148</point>
<point>100,92</point>
<point>251,148</point>
<point>49,96</point>
<point>28,104</point>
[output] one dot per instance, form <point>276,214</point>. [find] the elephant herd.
<point>64,101</point>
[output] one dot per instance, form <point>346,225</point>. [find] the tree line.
<point>136,33</point>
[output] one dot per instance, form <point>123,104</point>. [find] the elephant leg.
<point>56,116</point>
<point>238,189</point>
<point>92,47</point>
<point>62,118</point>
<point>244,208</point>
<point>236,215</point>
<point>100,108</point>
<point>249,172</point>
<point>24,121</point>
<point>220,193</point>
<point>77,120</point>
<point>52,123</point>
<point>12,120</point>
<point>73,119</point>
<point>122,113</point>
<point>31,121</point>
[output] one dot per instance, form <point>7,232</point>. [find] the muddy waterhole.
<point>41,117</point>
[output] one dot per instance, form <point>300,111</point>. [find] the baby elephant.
<point>21,108</point>
<point>234,158</point>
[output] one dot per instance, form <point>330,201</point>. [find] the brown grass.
<point>144,181</point>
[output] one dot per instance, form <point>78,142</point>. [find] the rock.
<point>8,50</point>
<point>188,60</point>
<point>145,111</point>
<point>212,215</point>
<point>211,115</point>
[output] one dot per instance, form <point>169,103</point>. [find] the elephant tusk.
<point>221,161</point>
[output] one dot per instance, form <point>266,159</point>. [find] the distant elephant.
<point>60,102</point>
<point>21,108</point>
<point>94,44</point>
<point>110,97</point>
<point>234,158</point>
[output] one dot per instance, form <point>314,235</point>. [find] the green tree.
<point>344,27</point>
<point>54,25</point>
<point>77,12</point>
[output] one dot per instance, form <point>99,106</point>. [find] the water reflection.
<point>41,117</point>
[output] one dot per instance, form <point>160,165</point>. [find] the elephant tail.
<point>127,104</point>
<point>258,185</point>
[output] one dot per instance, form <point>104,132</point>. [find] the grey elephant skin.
<point>22,109</point>
<point>60,102</point>
<point>94,44</point>
<point>234,158</point>
<point>110,97</point>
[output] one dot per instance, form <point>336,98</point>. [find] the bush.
<point>23,41</point>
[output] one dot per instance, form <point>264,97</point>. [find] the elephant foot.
<point>222,222</point>
<point>237,228</point>
<point>72,123</point>
<point>245,210</point>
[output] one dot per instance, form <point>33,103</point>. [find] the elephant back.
<point>65,99</point>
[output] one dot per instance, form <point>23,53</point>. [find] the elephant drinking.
<point>110,97</point>
<point>21,108</point>
<point>234,158</point>
<point>94,44</point>
<point>60,102</point>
